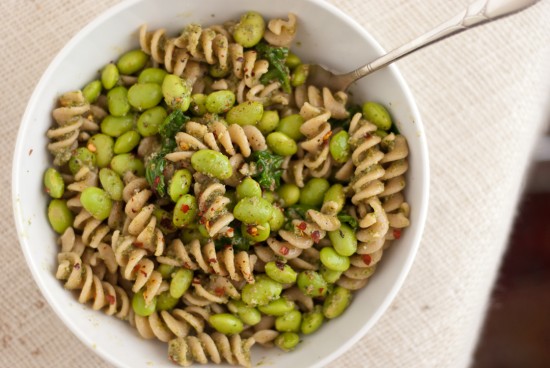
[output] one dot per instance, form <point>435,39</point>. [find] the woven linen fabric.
<point>481,95</point>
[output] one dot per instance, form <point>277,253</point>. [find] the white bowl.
<point>325,36</point>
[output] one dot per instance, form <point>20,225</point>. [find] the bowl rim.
<point>24,127</point>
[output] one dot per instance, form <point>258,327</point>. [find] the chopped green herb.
<point>347,219</point>
<point>276,56</point>
<point>268,167</point>
<point>238,241</point>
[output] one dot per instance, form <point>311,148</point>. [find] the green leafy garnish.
<point>238,241</point>
<point>347,219</point>
<point>268,168</point>
<point>276,56</point>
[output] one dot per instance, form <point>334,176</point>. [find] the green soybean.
<point>152,75</point>
<point>54,184</point>
<point>339,147</point>
<point>92,91</point>
<point>253,210</point>
<point>127,162</point>
<point>216,71</point>
<point>280,272</point>
<point>248,188</point>
<point>246,113</point>
<point>287,341</point>
<point>140,306</point>
<point>330,276</point>
<point>344,240</point>
<point>59,215</point>
<point>289,322</point>
<point>290,125</point>
<point>179,184</point>
<point>132,62</point>
<point>312,321</point>
<point>212,163</point>
<point>198,104</point>
<point>312,283</point>
<point>250,29</point>
<point>103,146</point>
<point>150,120</point>
<point>109,76</point>
<point>277,219</point>
<point>336,302</point>
<point>292,60</point>
<point>185,211</point>
<point>277,307</point>
<point>165,301</point>
<point>117,101</point>
<point>97,202</point>
<point>115,126</point>
<point>268,122</point>
<point>176,92</point>
<point>313,192</point>
<point>268,196</point>
<point>261,292</point>
<point>381,133</point>
<point>226,323</point>
<point>281,144</point>
<point>334,261</point>
<point>81,157</point>
<point>289,194</point>
<point>111,183</point>
<point>250,316</point>
<point>181,280</point>
<point>188,234</point>
<point>377,114</point>
<point>336,195</point>
<point>219,102</point>
<point>165,270</point>
<point>299,77</point>
<point>256,233</point>
<point>143,96</point>
<point>126,142</point>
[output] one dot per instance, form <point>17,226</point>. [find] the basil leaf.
<point>347,219</point>
<point>268,166</point>
<point>276,56</point>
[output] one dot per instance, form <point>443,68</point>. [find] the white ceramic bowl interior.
<point>325,36</point>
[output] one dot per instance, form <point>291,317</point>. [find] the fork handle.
<point>477,13</point>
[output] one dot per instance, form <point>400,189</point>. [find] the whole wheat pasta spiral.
<point>335,103</point>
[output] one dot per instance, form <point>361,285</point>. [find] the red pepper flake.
<point>156,182</point>
<point>284,250</point>
<point>91,147</point>
<point>110,298</point>
<point>396,233</point>
<point>321,290</point>
<point>280,265</point>
<point>252,230</point>
<point>327,136</point>
<point>76,266</point>
<point>202,220</point>
<point>316,236</point>
<point>136,268</point>
<point>219,291</point>
<point>196,281</point>
<point>302,226</point>
<point>367,135</point>
<point>143,273</point>
<point>367,259</point>
<point>185,208</point>
<point>212,260</point>
<point>230,232</point>
<point>138,244</point>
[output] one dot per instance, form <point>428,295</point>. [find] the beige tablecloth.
<point>482,96</point>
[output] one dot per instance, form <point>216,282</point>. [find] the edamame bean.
<point>277,219</point>
<point>268,122</point>
<point>59,215</point>
<point>280,272</point>
<point>289,322</point>
<point>336,195</point>
<point>343,240</point>
<point>246,113</point>
<point>313,192</point>
<point>217,71</point>
<point>165,301</point>
<point>165,270</point>
<point>253,210</point>
<point>268,196</point>
<point>97,202</point>
<point>54,184</point>
<point>117,101</point>
<point>336,303</point>
<point>277,307</point>
<point>219,102</point>
<point>261,292</point>
<point>143,96</point>
<point>281,144</point>
<point>292,60</point>
<point>312,321</point>
<point>256,233</point>
<point>126,142</point>
<point>109,76</point>
<point>92,91</point>
<point>181,280</point>
<point>287,341</point>
<point>248,188</point>
<point>212,163</point>
<point>334,261</point>
<point>141,308</point>
<point>299,77</point>
<point>289,194</point>
<point>250,316</point>
<point>188,235</point>
<point>127,162</point>
<point>152,75</point>
<point>81,157</point>
<point>330,276</point>
<point>290,125</point>
<point>115,126</point>
<point>111,183</point>
<point>339,147</point>
<point>180,184</point>
<point>103,146</point>
<point>198,104</point>
<point>132,62</point>
<point>377,114</point>
<point>185,211</point>
<point>312,283</point>
<point>250,30</point>
<point>381,133</point>
<point>226,323</point>
<point>176,92</point>
<point>232,196</point>
<point>150,120</point>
